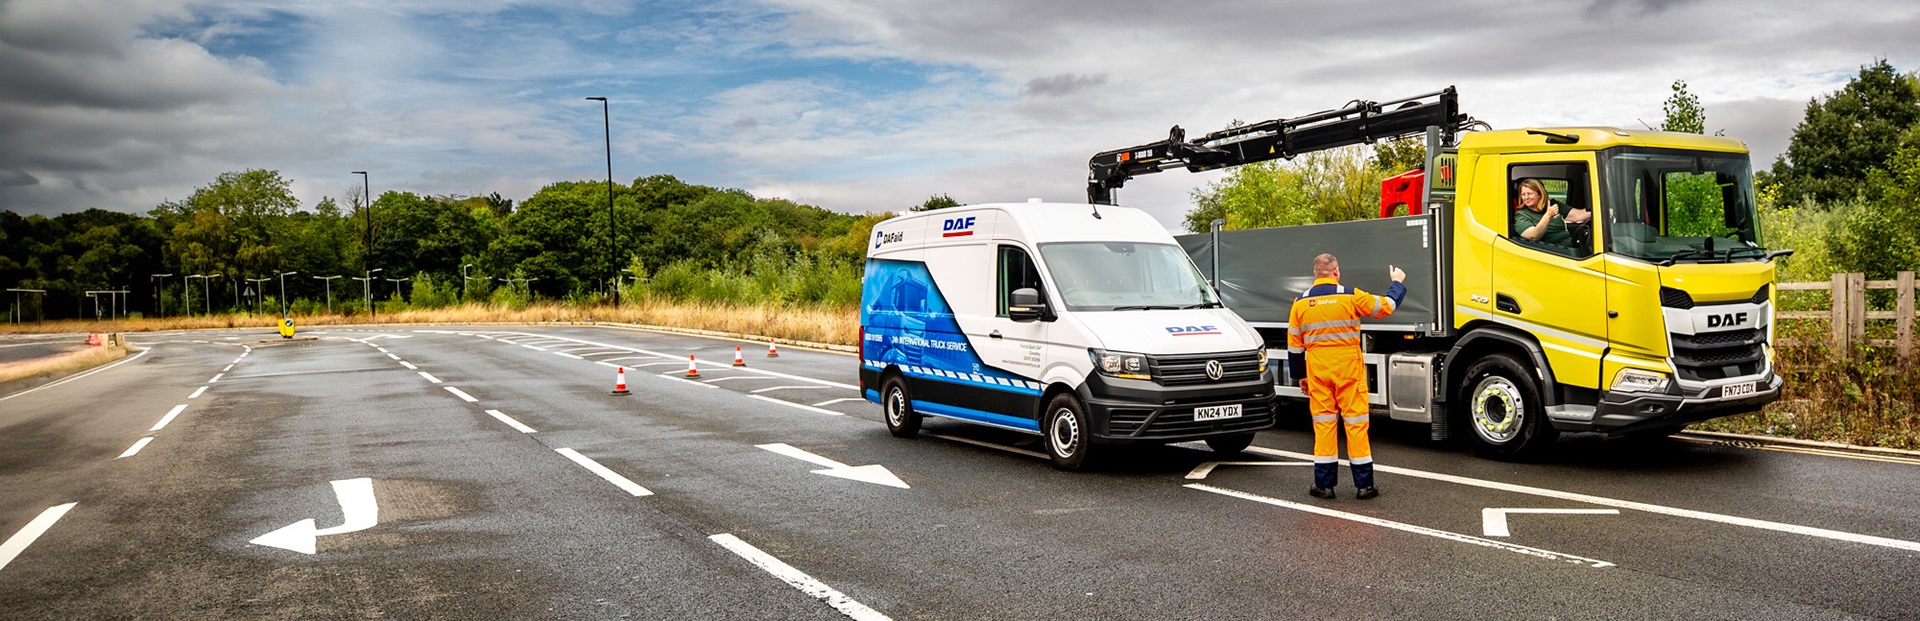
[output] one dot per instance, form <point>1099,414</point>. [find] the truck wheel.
<point>1065,428</point>
<point>1503,409</point>
<point>897,407</point>
<point>1230,444</point>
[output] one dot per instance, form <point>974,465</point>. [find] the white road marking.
<point>722,365</point>
<point>1627,504</point>
<point>656,364</point>
<point>800,454</point>
<point>458,393</point>
<point>216,377</point>
<point>137,445</point>
<point>429,377</point>
<point>1002,447</point>
<point>357,505</point>
<point>682,379</point>
<point>567,355</point>
<point>798,579</point>
<point>872,473</point>
<point>632,358</point>
<point>792,388</point>
<point>808,408</point>
<point>532,348</point>
<point>833,401</point>
<point>1402,526</point>
<point>77,376</point>
<point>609,364</point>
<point>169,417</point>
<point>1493,521</point>
<point>390,355</point>
<point>33,530</point>
<point>196,393</point>
<point>409,366</point>
<point>738,377</point>
<point>229,368</point>
<point>611,476</point>
<point>510,421</point>
<point>1201,471</point>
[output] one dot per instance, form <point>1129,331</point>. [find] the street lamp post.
<point>396,285</point>
<point>613,232</point>
<point>329,281</point>
<point>188,287</point>
<point>463,281</point>
<point>366,254</point>
<point>368,286</point>
<point>206,291</point>
<point>20,312</point>
<point>160,295</point>
<point>285,310</point>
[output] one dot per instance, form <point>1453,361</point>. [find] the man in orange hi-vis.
<point>1323,348</point>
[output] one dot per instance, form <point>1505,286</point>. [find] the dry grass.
<point>836,326</point>
<point>60,364</point>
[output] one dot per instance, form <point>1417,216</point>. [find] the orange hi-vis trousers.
<point>1337,391</point>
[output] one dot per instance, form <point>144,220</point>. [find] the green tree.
<point>937,201</point>
<point>1400,154</point>
<point>1876,235</point>
<point>1847,134</point>
<point>1323,186</point>
<point>1684,113</point>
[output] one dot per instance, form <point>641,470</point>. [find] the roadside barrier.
<point>620,382</point>
<point>693,368</point>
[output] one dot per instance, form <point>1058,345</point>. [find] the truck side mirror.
<point>1025,305</point>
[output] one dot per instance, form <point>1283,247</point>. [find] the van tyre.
<point>1228,445</point>
<point>1503,410</point>
<point>896,406</point>
<point>1065,432</point>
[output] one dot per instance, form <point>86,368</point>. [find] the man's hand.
<point>1396,274</point>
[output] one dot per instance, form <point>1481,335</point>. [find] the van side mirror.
<point>1025,305</point>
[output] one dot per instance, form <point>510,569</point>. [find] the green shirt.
<point>1555,233</point>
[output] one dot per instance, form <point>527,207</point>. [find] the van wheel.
<point>1229,445</point>
<point>1503,409</point>
<point>897,407</point>
<point>1065,428</point>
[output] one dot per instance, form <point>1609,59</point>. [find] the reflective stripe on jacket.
<point>1326,318</point>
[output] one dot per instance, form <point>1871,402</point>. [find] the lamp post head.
<point>358,172</point>
<point>599,99</point>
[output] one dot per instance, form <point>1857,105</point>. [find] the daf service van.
<point>1084,325</point>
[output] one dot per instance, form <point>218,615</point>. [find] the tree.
<point>1323,186</point>
<point>937,201</point>
<point>1849,133</point>
<point>1400,154</point>
<point>1684,113</point>
<point>1876,235</point>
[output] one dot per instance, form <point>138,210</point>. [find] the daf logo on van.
<point>1214,371</point>
<point>1192,330</point>
<point>957,227</point>
<point>1726,320</point>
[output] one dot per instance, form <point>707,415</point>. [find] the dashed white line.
<point>33,530</point>
<point>430,377</point>
<point>798,579</point>
<point>609,364</point>
<point>510,421</point>
<point>229,368</point>
<point>216,377</point>
<point>137,445</point>
<point>609,475</point>
<point>808,408</point>
<point>567,355</point>
<point>169,417</point>
<point>792,388</point>
<point>390,355</point>
<point>409,366</point>
<point>532,347</point>
<point>196,393</point>
<point>833,401</point>
<point>461,394</point>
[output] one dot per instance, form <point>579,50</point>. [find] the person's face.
<point>1529,199</point>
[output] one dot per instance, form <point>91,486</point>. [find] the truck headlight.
<point>1636,380</point>
<point>1120,364</point>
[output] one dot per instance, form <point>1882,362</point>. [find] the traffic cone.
<point>771,351</point>
<point>737,360</point>
<point>620,382</point>
<point>693,370</point>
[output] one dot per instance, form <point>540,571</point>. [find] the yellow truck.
<point>1648,307</point>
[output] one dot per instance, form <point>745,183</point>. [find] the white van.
<point>1087,327</point>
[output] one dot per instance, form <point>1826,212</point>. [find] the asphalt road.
<point>489,474</point>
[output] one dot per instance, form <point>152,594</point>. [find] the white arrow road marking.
<point>808,408</point>
<point>799,579</point>
<point>19,541</point>
<point>1422,530</point>
<point>356,503</point>
<point>876,474</point>
<point>1493,521</point>
<point>1201,471</point>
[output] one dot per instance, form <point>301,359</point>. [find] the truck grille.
<point>1143,423</point>
<point>1189,370</point>
<point>1718,355</point>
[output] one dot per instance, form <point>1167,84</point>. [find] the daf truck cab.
<point>1086,325</point>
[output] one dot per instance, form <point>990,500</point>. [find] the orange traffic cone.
<point>693,369</point>
<point>620,382</point>
<point>771,351</point>
<point>737,360</point>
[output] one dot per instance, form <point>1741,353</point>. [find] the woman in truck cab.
<point>1538,217</point>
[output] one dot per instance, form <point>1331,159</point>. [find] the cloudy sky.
<point>852,105</point>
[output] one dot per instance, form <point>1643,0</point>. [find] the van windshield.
<point>1107,276</point>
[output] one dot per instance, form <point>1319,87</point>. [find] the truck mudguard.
<point>1548,394</point>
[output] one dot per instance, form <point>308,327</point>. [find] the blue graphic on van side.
<point>909,325</point>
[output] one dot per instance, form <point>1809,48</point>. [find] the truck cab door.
<point>1554,287</point>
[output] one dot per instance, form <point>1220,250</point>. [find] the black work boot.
<point>1321,492</point>
<point>1366,492</point>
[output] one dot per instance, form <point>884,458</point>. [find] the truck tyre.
<point>896,405</point>
<point>1228,445</point>
<point>1502,407</point>
<point>1065,428</point>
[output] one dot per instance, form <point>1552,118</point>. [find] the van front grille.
<point>1191,369</point>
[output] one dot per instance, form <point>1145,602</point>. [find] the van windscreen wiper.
<point>1146,307</point>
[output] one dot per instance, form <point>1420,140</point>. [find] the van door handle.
<point>995,334</point>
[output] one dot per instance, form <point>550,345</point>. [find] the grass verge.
<point>18,376</point>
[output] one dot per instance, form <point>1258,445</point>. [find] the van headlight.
<point>1636,380</point>
<point>1263,359</point>
<point>1120,364</point>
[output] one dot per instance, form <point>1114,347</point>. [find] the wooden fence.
<point>1849,313</point>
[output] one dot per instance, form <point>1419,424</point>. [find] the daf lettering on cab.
<point>1088,328</point>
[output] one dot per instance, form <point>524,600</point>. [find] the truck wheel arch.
<point>1487,338</point>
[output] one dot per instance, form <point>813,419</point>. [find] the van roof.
<point>1051,222</point>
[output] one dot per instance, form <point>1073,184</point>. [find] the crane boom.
<point>1360,122</point>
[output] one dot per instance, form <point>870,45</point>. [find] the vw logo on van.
<point>1214,371</point>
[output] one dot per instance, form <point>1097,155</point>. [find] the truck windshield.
<point>1106,276</point>
<point>1668,206</point>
